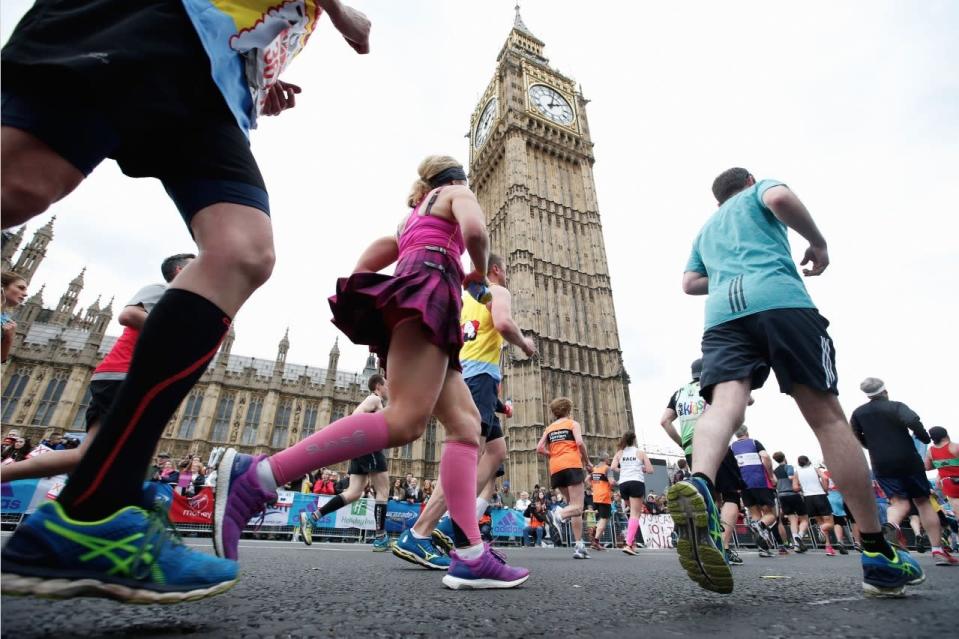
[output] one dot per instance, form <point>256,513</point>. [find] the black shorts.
<point>792,504</point>
<point>818,506</point>
<point>483,388</point>
<point>633,488</point>
<point>154,108</point>
<point>566,478</point>
<point>729,482</point>
<point>368,464</point>
<point>839,520</point>
<point>905,486</point>
<point>793,342</point>
<point>849,516</point>
<point>603,511</point>
<point>102,394</point>
<point>759,497</point>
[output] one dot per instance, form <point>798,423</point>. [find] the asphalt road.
<point>333,590</point>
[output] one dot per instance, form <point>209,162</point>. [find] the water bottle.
<point>480,292</point>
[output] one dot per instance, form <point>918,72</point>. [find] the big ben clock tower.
<point>531,160</point>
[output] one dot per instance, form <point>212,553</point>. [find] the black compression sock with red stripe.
<point>177,342</point>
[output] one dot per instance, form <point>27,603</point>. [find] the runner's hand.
<point>354,26</point>
<point>477,277</point>
<point>279,97</point>
<point>819,257</point>
<point>529,346</point>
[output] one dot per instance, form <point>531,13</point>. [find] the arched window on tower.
<point>252,422</point>
<point>14,391</point>
<point>50,399</point>
<point>191,414</point>
<point>281,425</point>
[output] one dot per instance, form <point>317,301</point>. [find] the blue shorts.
<point>905,486</point>
<point>200,161</point>
<point>483,387</point>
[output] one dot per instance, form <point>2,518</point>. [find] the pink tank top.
<point>423,230</point>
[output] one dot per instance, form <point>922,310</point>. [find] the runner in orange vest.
<point>602,498</point>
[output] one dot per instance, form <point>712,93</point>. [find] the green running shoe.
<point>700,545</point>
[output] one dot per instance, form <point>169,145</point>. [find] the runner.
<point>195,76</point>
<point>484,328</point>
<point>413,317</point>
<point>760,317</point>
<point>562,442</point>
<point>370,468</point>
<point>791,500</point>
<point>633,465</point>
<point>883,426</point>
<point>943,455</point>
<point>756,469</point>
<point>838,506</point>
<point>814,485</point>
<point>602,483</point>
<point>688,405</point>
<point>13,291</point>
<point>107,377</point>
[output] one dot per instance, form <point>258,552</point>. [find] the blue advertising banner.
<point>507,522</point>
<point>401,515</point>
<point>303,502</point>
<point>15,496</point>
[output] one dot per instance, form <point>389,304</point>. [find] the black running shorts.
<point>368,464</point>
<point>793,342</point>
<point>792,504</point>
<point>817,506</point>
<point>566,478</point>
<point>759,497</point>
<point>629,489</point>
<point>912,486</point>
<point>729,483</point>
<point>483,388</point>
<point>102,393</point>
<point>603,511</point>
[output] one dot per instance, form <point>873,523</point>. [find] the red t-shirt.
<point>117,362</point>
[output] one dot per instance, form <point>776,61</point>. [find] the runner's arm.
<point>541,446</point>
<point>927,460</point>
<point>666,421</point>
<point>133,316</point>
<point>647,465</point>
<point>913,423</point>
<point>378,255</point>
<point>695,283</point>
<point>615,464</point>
<point>353,25</point>
<point>789,210</point>
<point>578,435</point>
<point>466,209</point>
<point>857,429</point>
<point>796,487</point>
<point>501,309</point>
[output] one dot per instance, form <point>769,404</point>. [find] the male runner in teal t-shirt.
<point>760,317</point>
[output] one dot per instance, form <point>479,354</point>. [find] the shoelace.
<point>499,554</point>
<point>159,533</point>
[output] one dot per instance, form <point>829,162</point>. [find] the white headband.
<point>879,390</point>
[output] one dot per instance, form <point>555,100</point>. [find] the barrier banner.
<point>657,530</point>
<point>192,510</point>
<point>16,496</point>
<point>277,514</point>
<point>162,494</point>
<point>360,514</point>
<point>507,522</point>
<point>401,515</point>
<point>305,502</point>
<point>48,488</point>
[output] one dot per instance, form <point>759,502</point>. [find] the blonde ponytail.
<point>427,169</point>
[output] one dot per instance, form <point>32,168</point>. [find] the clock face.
<point>550,103</point>
<point>485,123</point>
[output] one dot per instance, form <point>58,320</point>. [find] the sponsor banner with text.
<point>507,522</point>
<point>657,530</point>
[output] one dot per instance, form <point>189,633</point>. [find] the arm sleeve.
<point>695,263</point>
<point>913,423</point>
<point>672,402</point>
<point>148,296</point>
<point>759,447</point>
<point>762,187</point>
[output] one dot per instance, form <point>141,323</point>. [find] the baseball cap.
<point>937,434</point>
<point>872,386</point>
<point>697,368</point>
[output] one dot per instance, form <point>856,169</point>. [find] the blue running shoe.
<point>700,544</point>
<point>443,534</point>
<point>381,543</point>
<point>419,551</point>
<point>130,556</point>
<point>884,577</point>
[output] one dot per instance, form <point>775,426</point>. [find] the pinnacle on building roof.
<point>518,22</point>
<point>37,298</point>
<point>95,306</point>
<point>78,280</point>
<point>336,346</point>
<point>47,229</point>
<point>285,342</point>
<point>109,306</point>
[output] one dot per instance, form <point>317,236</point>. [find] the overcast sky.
<point>854,105</point>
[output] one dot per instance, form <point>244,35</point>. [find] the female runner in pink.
<point>411,320</point>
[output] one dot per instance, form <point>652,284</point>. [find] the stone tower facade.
<point>531,159</point>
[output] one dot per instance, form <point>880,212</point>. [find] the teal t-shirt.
<point>744,250</point>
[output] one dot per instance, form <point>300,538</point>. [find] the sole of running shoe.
<point>455,583</point>
<point>413,558</point>
<point>305,529</point>
<point>441,540</point>
<point>699,558</point>
<point>223,472</point>
<point>21,585</point>
<point>629,551</point>
<point>883,593</point>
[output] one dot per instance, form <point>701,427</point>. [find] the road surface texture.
<point>345,590</point>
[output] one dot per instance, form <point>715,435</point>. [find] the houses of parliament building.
<point>531,159</point>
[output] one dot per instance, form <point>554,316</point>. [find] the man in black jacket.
<point>886,429</point>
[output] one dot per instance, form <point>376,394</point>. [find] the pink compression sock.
<point>458,478</point>
<point>346,438</point>
<point>631,529</point>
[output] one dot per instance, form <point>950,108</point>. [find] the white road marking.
<point>826,602</point>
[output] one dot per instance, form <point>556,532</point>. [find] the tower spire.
<point>518,22</point>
